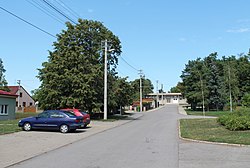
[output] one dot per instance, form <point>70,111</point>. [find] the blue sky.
<point>157,36</point>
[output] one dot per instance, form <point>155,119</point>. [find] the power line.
<point>129,64</point>
<point>59,11</point>
<point>27,22</point>
<point>76,15</point>
<point>44,10</point>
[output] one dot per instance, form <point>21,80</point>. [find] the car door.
<point>55,119</point>
<point>40,121</point>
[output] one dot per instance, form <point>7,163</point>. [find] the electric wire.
<point>129,64</point>
<point>27,22</point>
<point>44,10</point>
<point>66,7</point>
<point>58,10</point>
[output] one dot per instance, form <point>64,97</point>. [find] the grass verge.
<point>11,126</point>
<point>208,113</point>
<point>211,130</point>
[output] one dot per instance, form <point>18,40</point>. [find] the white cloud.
<point>240,30</point>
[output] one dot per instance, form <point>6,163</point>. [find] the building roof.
<point>144,100</point>
<point>13,89</point>
<point>7,93</point>
<point>166,94</point>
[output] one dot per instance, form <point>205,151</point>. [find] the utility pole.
<point>19,86</point>
<point>105,103</point>
<point>157,93</point>
<point>105,80</point>
<point>203,99</point>
<point>141,74</point>
<point>230,90</point>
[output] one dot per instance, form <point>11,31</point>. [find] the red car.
<point>86,116</point>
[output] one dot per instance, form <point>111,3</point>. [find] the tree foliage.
<point>147,87</point>
<point>3,81</point>
<point>73,74</point>
<point>214,79</point>
<point>179,88</point>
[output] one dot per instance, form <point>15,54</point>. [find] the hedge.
<point>238,120</point>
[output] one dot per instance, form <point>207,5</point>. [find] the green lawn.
<point>10,126</point>
<point>208,113</point>
<point>210,130</point>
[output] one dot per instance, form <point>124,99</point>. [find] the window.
<point>56,115</point>
<point>21,94</point>
<point>43,115</point>
<point>3,109</point>
<point>24,104</point>
<point>31,103</point>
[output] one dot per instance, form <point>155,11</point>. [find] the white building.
<point>166,98</point>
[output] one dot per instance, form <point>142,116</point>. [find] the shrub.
<point>246,100</point>
<point>238,120</point>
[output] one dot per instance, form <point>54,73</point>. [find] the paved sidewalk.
<point>181,110</point>
<point>23,145</point>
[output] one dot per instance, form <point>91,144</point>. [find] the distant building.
<point>24,99</point>
<point>147,103</point>
<point>7,105</point>
<point>166,98</point>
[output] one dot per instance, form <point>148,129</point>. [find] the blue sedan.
<point>64,121</point>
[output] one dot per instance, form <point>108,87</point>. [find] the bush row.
<point>238,120</point>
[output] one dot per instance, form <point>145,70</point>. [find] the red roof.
<point>7,93</point>
<point>13,89</point>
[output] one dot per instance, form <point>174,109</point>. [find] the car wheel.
<point>64,128</point>
<point>27,126</point>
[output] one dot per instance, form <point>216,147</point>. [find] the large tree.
<point>73,74</point>
<point>3,81</point>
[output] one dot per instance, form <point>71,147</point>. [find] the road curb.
<point>207,142</point>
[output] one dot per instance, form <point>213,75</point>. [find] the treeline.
<point>217,83</point>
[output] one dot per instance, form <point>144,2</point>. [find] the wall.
<point>25,98</point>
<point>11,102</point>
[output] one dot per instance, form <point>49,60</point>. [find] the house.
<point>7,105</point>
<point>166,98</point>
<point>24,99</point>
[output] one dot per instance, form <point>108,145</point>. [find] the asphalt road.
<point>151,141</point>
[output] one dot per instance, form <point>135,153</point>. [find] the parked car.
<point>64,121</point>
<point>78,112</point>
